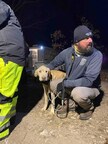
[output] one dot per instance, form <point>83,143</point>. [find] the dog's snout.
<point>43,78</point>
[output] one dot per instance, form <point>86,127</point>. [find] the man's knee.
<point>80,94</point>
<point>77,94</point>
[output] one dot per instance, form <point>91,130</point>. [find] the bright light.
<point>41,47</point>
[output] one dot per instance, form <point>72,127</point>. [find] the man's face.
<point>85,45</point>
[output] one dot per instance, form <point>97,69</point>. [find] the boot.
<point>85,115</point>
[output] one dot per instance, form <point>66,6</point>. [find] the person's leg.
<point>10,74</point>
<point>84,96</point>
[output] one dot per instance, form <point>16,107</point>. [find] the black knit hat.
<point>82,32</point>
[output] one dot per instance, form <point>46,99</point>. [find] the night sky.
<point>40,18</point>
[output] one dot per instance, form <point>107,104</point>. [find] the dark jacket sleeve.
<point>91,74</point>
<point>4,12</point>
<point>57,61</point>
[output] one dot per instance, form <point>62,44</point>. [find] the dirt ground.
<point>34,126</point>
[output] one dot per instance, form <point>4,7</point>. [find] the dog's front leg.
<point>46,98</point>
<point>52,103</point>
<point>45,102</point>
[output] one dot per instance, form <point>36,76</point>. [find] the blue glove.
<point>60,87</point>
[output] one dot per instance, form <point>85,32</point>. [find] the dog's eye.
<point>46,71</point>
<point>39,71</point>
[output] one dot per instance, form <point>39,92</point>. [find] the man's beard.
<point>88,50</point>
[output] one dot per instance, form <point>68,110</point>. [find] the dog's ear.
<point>49,75</point>
<point>36,73</point>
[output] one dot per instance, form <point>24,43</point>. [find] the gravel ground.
<point>34,126</point>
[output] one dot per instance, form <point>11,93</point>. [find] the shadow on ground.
<point>30,93</point>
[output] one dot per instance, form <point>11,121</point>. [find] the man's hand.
<point>59,87</point>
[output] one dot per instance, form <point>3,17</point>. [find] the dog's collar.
<point>45,82</point>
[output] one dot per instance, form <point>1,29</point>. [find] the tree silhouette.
<point>96,32</point>
<point>58,40</point>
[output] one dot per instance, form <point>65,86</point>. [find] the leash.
<point>61,110</point>
<point>57,96</point>
<point>63,93</point>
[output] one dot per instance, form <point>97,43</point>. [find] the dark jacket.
<point>80,70</point>
<point>12,45</point>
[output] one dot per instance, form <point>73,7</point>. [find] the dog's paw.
<point>52,111</point>
<point>44,109</point>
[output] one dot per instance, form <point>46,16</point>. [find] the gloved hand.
<point>59,87</point>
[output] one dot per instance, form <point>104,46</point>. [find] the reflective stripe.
<point>4,99</point>
<point>11,113</point>
<point>2,118</point>
<point>4,134</point>
<point>10,74</point>
<point>8,110</point>
<point>5,126</point>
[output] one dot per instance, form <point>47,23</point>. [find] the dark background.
<point>40,18</point>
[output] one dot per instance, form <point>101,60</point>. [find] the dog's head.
<point>43,73</point>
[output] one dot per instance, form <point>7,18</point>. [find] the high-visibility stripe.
<point>4,133</point>
<point>5,126</point>
<point>4,99</point>
<point>10,74</point>
<point>11,113</point>
<point>2,118</point>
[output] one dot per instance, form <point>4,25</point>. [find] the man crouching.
<point>83,65</point>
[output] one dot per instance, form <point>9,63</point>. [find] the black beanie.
<point>82,32</point>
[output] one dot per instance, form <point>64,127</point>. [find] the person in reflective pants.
<point>13,53</point>
<point>10,74</point>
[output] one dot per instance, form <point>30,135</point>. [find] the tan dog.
<point>45,74</point>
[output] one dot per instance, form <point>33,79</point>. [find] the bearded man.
<point>83,64</point>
